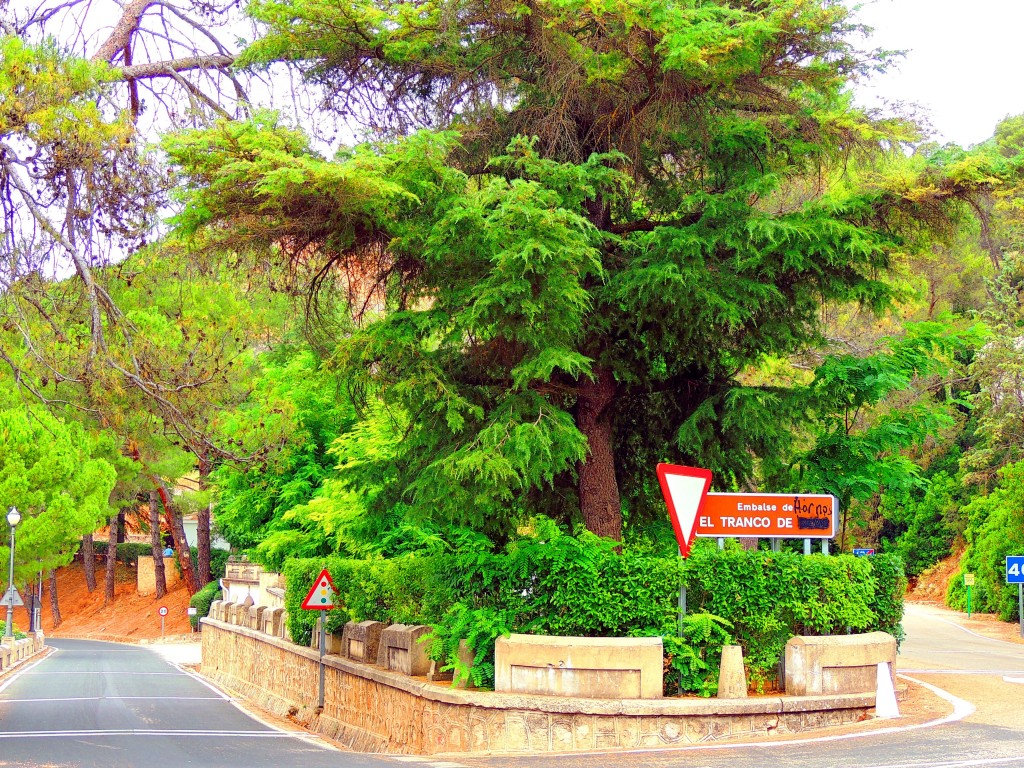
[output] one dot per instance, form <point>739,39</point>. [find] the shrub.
<point>552,583</point>
<point>127,552</point>
<point>201,601</point>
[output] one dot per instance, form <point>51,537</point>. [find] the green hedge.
<point>127,552</point>
<point>202,600</point>
<point>561,585</point>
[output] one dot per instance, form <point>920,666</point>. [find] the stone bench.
<point>586,667</point>
<point>360,641</point>
<point>838,663</point>
<point>400,649</point>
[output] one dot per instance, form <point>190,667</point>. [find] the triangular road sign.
<point>684,489</point>
<point>321,596</point>
<point>11,598</point>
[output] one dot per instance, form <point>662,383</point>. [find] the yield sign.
<point>321,596</point>
<point>684,489</point>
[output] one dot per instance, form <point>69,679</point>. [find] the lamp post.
<point>13,518</point>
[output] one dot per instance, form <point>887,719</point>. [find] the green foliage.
<point>128,553</point>
<point>59,478</point>
<point>202,600</point>
<point>996,529</point>
<point>552,583</point>
<point>297,402</point>
<point>695,657</point>
<point>18,634</point>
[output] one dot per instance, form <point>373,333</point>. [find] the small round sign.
<point>163,610</point>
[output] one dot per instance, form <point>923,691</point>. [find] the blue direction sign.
<point>1015,569</point>
<point>863,552</point>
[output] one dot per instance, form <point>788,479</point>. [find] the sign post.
<point>163,613</point>
<point>684,489</point>
<point>1015,575</point>
<point>321,598</point>
<point>968,582</point>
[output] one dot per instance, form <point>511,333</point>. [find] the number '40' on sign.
<point>1015,569</point>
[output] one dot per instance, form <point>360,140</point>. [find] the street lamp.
<point>13,518</point>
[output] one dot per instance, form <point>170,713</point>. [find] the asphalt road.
<point>106,705</point>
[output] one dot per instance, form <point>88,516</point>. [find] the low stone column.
<point>732,677</point>
<point>256,616</point>
<point>272,621</point>
<point>400,649</point>
<point>360,641</point>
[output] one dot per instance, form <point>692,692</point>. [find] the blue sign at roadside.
<point>1015,569</point>
<point>863,552</point>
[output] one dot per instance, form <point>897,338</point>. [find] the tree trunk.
<point>188,573</point>
<point>599,490</point>
<point>158,547</point>
<point>121,527</point>
<point>108,594</point>
<point>54,606</point>
<point>203,546</point>
<point>89,562</point>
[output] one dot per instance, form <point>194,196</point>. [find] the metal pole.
<point>721,542</point>
<point>968,601</point>
<point>1020,606</point>
<point>807,546</point>
<point>824,546</point>
<point>323,642</point>
<point>682,600</point>
<point>9,628</point>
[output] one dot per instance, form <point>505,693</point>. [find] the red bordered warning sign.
<point>685,489</point>
<point>321,596</point>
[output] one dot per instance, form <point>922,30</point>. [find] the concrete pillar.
<point>732,677</point>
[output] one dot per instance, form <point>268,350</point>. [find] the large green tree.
<point>630,205</point>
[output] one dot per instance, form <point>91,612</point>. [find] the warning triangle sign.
<point>11,598</point>
<point>321,596</point>
<point>685,489</point>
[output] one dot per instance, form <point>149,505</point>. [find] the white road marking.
<point>960,671</point>
<point>112,698</point>
<point>121,673</point>
<point>34,664</point>
<point>303,735</point>
<point>965,629</point>
<point>141,732</point>
<point>427,761</point>
<point>952,764</point>
<point>1014,679</point>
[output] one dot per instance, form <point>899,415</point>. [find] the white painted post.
<point>886,707</point>
<point>807,546</point>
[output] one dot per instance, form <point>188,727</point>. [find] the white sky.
<point>964,64</point>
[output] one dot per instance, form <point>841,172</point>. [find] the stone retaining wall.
<point>372,710</point>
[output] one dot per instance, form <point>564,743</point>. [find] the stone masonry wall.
<point>373,710</point>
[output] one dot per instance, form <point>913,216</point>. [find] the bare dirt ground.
<point>129,618</point>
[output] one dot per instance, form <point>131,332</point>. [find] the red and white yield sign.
<point>685,489</point>
<point>321,596</point>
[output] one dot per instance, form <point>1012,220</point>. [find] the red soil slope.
<point>129,617</point>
